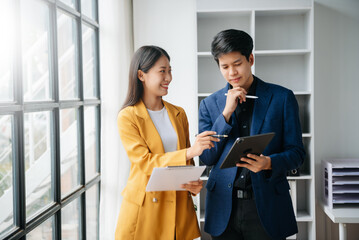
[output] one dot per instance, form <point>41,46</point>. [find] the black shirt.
<point>244,114</point>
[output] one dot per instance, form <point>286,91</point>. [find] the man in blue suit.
<point>250,201</point>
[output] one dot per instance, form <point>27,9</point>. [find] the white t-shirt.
<point>164,127</point>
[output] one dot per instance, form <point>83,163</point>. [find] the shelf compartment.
<point>304,191</point>
<point>282,29</point>
<point>301,177</point>
<point>211,23</point>
<point>290,71</point>
<point>210,78</point>
<point>199,100</point>
<point>305,169</point>
<point>281,52</point>
<point>204,235</point>
<point>303,229</point>
<point>207,170</point>
<point>304,105</point>
<point>202,202</point>
<point>303,216</point>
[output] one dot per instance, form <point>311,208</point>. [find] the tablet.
<point>242,146</point>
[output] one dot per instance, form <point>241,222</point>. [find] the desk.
<point>342,215</point>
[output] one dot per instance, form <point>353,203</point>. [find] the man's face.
<point>236,69</point>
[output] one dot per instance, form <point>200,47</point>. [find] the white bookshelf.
<point>283,50</point>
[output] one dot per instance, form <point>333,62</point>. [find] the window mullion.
<point>56,160</point>
<point>19,172</point>
<point>18,131</point>
<point>81,128</point>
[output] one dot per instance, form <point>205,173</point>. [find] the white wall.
<point>177,35</point>
<point>116,49</point>
<point>336,80</point>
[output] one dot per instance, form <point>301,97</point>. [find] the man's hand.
<point>233,96</point>
<point>256,163</point>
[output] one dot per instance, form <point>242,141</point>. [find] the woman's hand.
<point>203,141</point>
<point>194,186</point>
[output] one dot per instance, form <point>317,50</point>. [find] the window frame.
<point>18,108</point>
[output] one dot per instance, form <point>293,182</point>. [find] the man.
<point>250,201</point>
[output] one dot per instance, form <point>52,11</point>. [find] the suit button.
<point>154,200</point>
<point>229,185</point>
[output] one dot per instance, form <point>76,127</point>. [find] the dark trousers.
<point>244,223</point>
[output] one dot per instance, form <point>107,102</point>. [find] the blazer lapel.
<point>173,114</point>
<point>260,106</point>
<point>150,134</point>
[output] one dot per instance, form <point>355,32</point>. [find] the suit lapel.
<point>173,115</point>
<point>260,106</point>
<point>148,129</point>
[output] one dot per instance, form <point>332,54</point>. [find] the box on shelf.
<point>341,182</point>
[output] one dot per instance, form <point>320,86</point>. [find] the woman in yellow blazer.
<point>145,125</point>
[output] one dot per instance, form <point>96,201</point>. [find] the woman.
<point>155,134</point>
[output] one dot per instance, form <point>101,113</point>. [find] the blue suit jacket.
<point>275,110</point>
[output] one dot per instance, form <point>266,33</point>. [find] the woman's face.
<point>157,79</point>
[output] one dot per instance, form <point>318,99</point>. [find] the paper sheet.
<point>171,178</point>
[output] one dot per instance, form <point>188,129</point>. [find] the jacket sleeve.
<point>220,126</point>
<point>293,153</point>
<point>137,149</point>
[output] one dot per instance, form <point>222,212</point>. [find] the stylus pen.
<point>216,135</point>
<point>247,96</point>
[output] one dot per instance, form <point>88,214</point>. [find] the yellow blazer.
<point>153,215</point>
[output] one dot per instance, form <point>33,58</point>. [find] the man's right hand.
<point>233,95</point>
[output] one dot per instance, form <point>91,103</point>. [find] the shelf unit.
<point>283,50</point>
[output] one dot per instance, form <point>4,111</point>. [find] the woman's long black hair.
<point>143,59</point>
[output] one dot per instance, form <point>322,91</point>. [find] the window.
<point>49,119</point>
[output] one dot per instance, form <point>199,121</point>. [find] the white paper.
<point>171,178</point>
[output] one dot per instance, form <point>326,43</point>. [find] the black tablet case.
<point>242,146</point>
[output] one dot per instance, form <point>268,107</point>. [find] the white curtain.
<point>116,49</point>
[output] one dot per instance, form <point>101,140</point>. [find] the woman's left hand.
<point>193,186</point>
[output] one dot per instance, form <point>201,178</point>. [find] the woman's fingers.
<point>193,186</point>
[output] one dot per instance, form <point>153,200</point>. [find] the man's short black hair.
<point>232,40</point>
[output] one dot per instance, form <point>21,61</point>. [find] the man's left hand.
<point>256,163</point>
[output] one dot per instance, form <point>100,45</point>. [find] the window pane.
<point>89,61</point>
<point>35,50</point>
<point>88,7</point>
<point>71,3</point>
<point>38,151</point>
<point>92,209</point>
<point>7,39</point>
<point>70,221</point>
<point>43,232</point>
<point>6,188</point>
<point>90,142</point>
<point>68,52</point>
<point>69,150</point>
